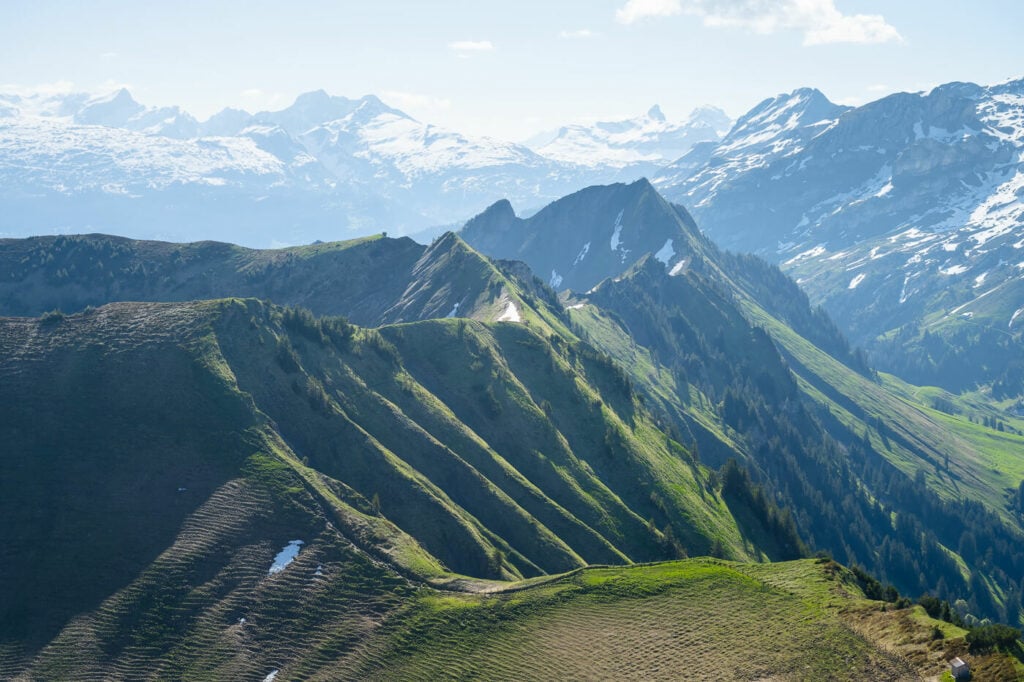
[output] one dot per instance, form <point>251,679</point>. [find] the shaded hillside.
<point>167,452</point>
<point>729,352</point>
<point>599,232</point>
<point>612,226</point>
<point>808,439</point>
<point>370,281</point>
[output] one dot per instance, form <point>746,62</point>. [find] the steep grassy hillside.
<point>158,456</point>
<point>874,478</point>
<point>145,499</point>
<point>731,357</point>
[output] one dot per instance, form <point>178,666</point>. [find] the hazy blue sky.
<point>507,68</point>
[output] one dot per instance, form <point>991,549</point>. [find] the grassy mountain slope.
<point>873,476</point>
<point>730,354</point>
<point>159,455</point>
<point>700,618</point>
<point>148,498</point>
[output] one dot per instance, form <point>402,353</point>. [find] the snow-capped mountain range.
<point>647,142</point>
<point>325,167</point>
<point>909,209</point>
<point>904,213</point>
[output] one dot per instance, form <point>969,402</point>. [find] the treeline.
<point>843,496</point>
<point>957,359</point>
<point>783,298</point>
<point>780,530</point>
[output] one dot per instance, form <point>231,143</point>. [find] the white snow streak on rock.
<point>1015,316</point>
<point>510,314</point>
<point>617,233</point>
<point>582,254</point>
<point>666,252</point>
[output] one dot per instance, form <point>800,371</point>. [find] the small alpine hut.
<point>959,669</point>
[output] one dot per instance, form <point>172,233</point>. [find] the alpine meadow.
<point>411,342</point>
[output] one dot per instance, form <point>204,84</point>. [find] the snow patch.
<point>954,270</point>
<point>576,306</point>
<point>980,279</point>
<point>618,232</point>
<point>1014,318</point>
<point>285,557</point>
<point>678,268</point>
<point>856,280</point>
<point>807,255</point>
<point>957,309</point>
<point>455,309</point>
<point>510,314</point>
<point>666,252</point>
<point>272,676</point>
<point>582,254</point>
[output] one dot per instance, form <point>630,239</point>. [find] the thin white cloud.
<point>416,103</point>
<point>578,34</point>
<point>471,46</point>
<point>108,55</point>
<point>820,21</point>
<point>635,10</point>
<point>252,93</point>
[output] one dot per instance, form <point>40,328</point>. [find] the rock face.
<point>588,236</point>
<point>901,209</point>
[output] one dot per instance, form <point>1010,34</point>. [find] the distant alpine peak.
<point>589,235</point>
<point>804,109</point>
<point>313,98</point>
<point>119,97</point>
<point>804,100</point>
<point>712,116</point>
<point>642,143</point>
<point>501,208</point>
<point>112,109</point>
<point>655,113</point>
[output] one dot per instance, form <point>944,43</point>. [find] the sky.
<point>506,69</point>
